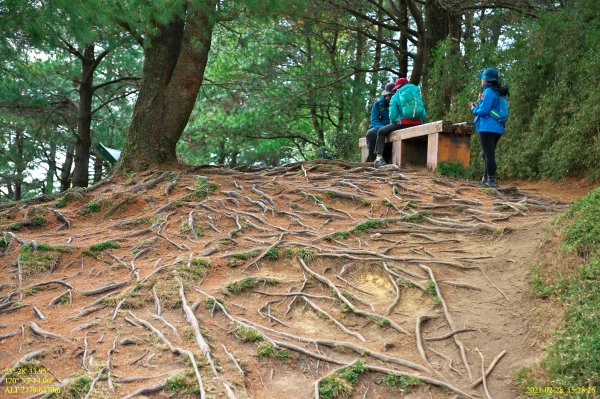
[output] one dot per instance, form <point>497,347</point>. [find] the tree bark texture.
<point>84,120</point>
<point>172,74</point>
<point>65,173</point>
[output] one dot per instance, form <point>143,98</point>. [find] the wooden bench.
<point>428,144</point>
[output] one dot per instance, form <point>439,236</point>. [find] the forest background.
<point>293,80</point>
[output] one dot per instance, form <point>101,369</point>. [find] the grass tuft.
<point>341,383</point>
<point>102,246</point>
<point>244,255</point>
<point>573,354</point>
<point>248,334</point>
<point>37,261</point>
<point>91,207</point>
<point>338,235</point>
<point>248,283</point>
<point>368,225</point>
<point>393,380</point>
<point>416,217</point>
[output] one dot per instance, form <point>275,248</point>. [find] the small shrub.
<point>233,263</point>
<point>91,207</point>
<point>307,254</point>
<point>416,217</point>
<point>76,389</point>
<point>248,283</point>
<point>37,261</point>
<point>201,262</point>
<point>245,255</point>
<point>102,246</point>
<point>209,304</point>
<point>248,334</point>
<point>380,321</point>
<point>338,235</point>
<point>368,225</point>
<point>392,380</point>
<point>272,254</point>
<point>342,382</point>
<point>182,384</point>
<point>198,269</point>
<point>61,202</point>
<point>451,169</point>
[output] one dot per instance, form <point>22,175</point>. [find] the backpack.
<point>501,111</point>
<point>411,102</point>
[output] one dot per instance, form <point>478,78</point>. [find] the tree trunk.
<point>84,120</point>
<point>65,173</point>
<point>19,164</point>
<point>374,90</point>
<point>172,74</point>
<point>403,42</point>
<point>49,186</point>
<point>436,30</point>
<point>98,163</point>
<point>233,159</point>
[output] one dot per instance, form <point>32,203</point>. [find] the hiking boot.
<point>379,162</point>
<point>484,180</point>
<point>491,182</point>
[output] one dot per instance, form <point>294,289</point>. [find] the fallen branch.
<point>61,218</point>
<point>489,370</point>
<point>450,334</point>
<point>485,388</point>
<point>46,334</point>
<point>106,288</point>
<point>488,279</point>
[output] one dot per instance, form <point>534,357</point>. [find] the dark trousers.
<point>382,133</point>
<point>489,141</point>
<point>371,140</point>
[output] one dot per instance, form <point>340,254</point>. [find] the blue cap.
<point>489,74</point>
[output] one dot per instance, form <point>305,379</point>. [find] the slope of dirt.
<point>315,265</point>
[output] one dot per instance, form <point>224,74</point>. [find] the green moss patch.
<point>248,283</point>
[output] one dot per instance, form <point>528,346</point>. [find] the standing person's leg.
<point>371,140</point>
<point>488,146</point>
<point>484,179</point>
<point>381,136</point>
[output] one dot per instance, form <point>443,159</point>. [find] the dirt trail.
<point>285,250</point>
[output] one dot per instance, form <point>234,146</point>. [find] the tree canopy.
<point>260,82</point>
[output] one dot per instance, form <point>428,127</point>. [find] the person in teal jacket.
<point>380,116</point>
<point>489,129</point>
<point>406,110</point>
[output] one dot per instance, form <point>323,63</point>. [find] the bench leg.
<point>432,150</point>
<point>364,154</point>
<point>397,152</point>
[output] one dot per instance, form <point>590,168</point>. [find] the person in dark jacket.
<point>488,127</point>
<point>380,116</point>
<point>406,110</point>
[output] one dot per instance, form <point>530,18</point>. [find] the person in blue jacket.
<point>489,128</point>
<point>380,117</point>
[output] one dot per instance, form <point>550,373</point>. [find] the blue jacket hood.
<point>380,113</point>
